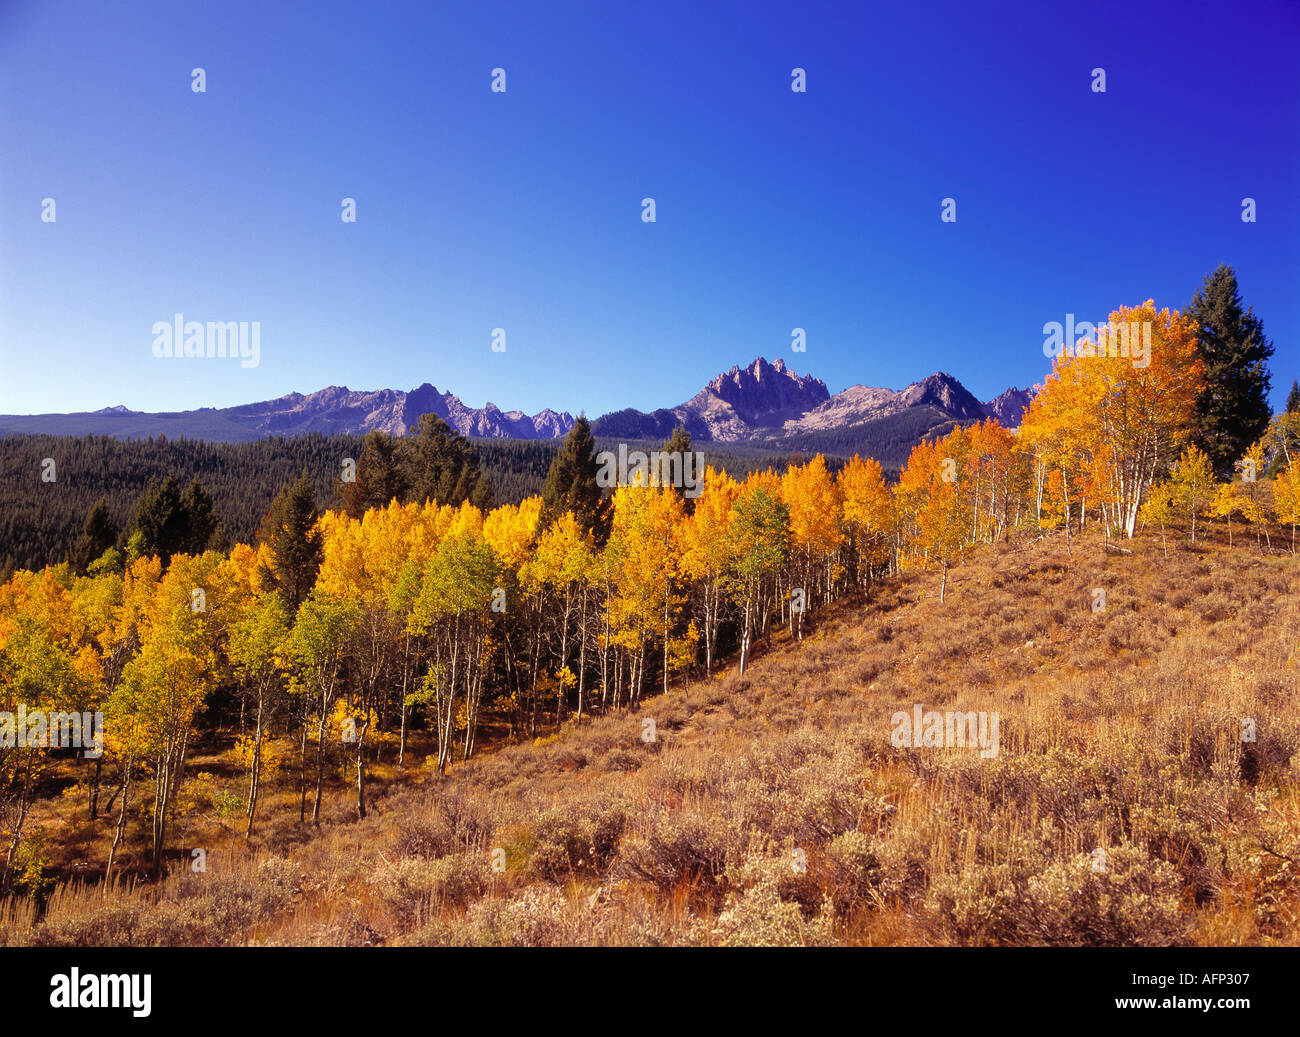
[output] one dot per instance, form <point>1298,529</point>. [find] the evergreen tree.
<point>242,478</point>
<point>444,467</point>
<point>296,550</point>
<point>98,534</point>
<point>1233,410</point>
<point>171,522</point>
<point>203,527</point>
<point>382,476</point>
<point>161,519</point>
<point>1293,398</point>
<point>571,483</point>
<point>679,444</point>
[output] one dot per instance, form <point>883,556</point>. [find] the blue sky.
<point>522,210</point>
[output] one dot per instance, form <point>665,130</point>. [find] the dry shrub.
<point>208,909</point>
<point>1030,900</point>
<point>762,912</point>
<point>421,834</point>
<point>411,887</point>
<point>685,848</point>
<point>572,842</point>
<point>539,916</point>
<point>852,871</point>
<point>807,788</point>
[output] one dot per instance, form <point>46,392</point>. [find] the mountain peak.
<point>944,391</point>
<point>766,394</point>
<point>1008,408</point>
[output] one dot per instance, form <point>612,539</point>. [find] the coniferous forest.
<point>41,528</point>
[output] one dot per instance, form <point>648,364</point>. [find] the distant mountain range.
<point>764,404</point>
<point>331,410</point>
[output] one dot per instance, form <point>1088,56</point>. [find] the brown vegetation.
<point>772,808</point>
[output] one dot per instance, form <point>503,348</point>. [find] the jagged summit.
<point>1009,407</point>
<point>762,394</point>
<point>944,391</point>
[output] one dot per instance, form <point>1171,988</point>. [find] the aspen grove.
<point>435,616</point>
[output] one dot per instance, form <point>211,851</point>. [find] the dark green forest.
<point>40,521</point>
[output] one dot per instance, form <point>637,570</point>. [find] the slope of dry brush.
<point>1119,730</point>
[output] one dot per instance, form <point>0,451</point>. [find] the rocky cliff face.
<point>733,406</point>
<point>860,403</point>
<point>763,400</point>
<point>489,420</point>
<point>1009,408</point>
<point>945,392</point>
<point>763,395</point>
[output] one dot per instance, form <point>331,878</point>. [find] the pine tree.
<point>571,484</point>
<point>444,467</point>
<point>98,534</point>
<point>679,444</point>
<point>171,522</point>
<point>1293,398</point>
<point>203,527</point>
<point>161,519</point>
<point>1233,410</point>
<point>289,529</point>
<point>382,476</point>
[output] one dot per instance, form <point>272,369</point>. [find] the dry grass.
<point>773,808</point>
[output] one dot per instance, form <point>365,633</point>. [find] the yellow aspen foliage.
<point>867,510</point>
<point>1286,496</point>
<point>1119,408</point>
<point>510,530</point>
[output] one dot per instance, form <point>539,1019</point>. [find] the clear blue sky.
<point>522,210</point>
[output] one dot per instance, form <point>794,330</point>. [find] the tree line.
<point>107,478</point>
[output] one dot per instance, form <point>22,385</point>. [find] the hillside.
<point>1123,806</point>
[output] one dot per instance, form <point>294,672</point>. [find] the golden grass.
<point>774,809</point>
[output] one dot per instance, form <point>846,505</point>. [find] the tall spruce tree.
<point>171,522</point>
<point>1293,398</point>
<point>203,527</point>
<point>296,549</point>
<point>382,476</point>
<point>571,483</point>
<point>679,445</point>
<point>161,519</point>
<point>1233,410</point>
<point>98,534</point>
<point>678,442</point>
<point>444,467</point>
